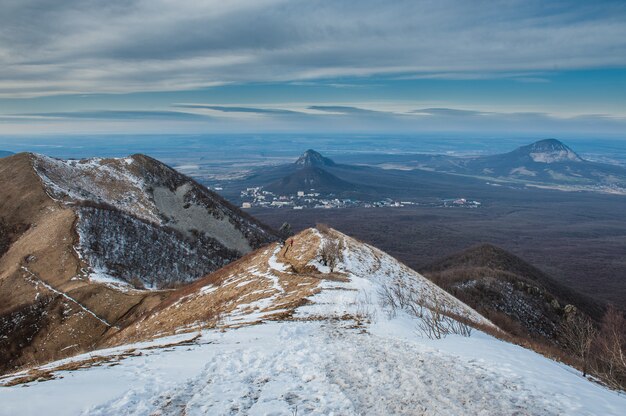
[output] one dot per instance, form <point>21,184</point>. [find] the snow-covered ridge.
<point>167,215</point>
<point>370,273</point>
<point>111,181</point>
<point>551,151</point>
<point>290,282</point>
<point>341,352</point>
<point>555,156</point>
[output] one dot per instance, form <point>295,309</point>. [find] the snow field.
<point>321,368</point>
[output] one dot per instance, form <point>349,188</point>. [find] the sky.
<point>511,67</point>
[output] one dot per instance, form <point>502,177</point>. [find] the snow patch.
<point>320,368</point>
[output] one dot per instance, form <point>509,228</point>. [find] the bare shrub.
<point>610,349</point>
<point>211,317</point>
<point>285,231</point>
<point>331,253</point>
<point>439,322</point>
<point>136,282</point>
<point>364,310</point>
<point>577,335</point>
<point>435,320</point>
<point>323,228</point>
<point>397,295</point>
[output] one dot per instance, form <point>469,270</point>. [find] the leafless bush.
<point>331,253</point>
<point>364,310</point>
<point>600,352</point>
<point>435,320</point>
<point>136,282</point>
<point>577,335</point>
<point>285,231</point>
<point>212,316</point>
<point>323,228</point>
<point>439,322</point>
<point>610,349</point>
<point>398,295</point>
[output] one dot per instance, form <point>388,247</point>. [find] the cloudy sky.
<point>149,66</point>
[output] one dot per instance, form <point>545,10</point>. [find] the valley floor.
<point>321,367</point>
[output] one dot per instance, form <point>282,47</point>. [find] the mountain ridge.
<point>81,240</point>
<point>496,283</point>
<point>547,163</point>
<point>290,329</point>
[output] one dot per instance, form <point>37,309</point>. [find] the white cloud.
<point>203,117</point>
<point>74,46</point>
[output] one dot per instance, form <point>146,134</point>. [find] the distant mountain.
<point>543,159</point>
<point>4,153</point>
<point>431,178</point>
<point>546,162</point>
<point>312,158</point>
<point>310,172</point>
<point>515,295</point>
<point>546,151</point>
<point>310,178</point>
<point>79,239</point>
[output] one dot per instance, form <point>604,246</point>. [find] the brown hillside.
<point>80,240</point>
<point>266,284</point>
<point>514,294</point>
<point>48,309</point>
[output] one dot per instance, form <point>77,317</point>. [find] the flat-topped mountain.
<point>548,151</point>
<point>548,163</point>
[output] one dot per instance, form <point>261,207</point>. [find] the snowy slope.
<point>321,367</point>
<point>343,350</point>
<point>111,181</point>
<point>289,282</point>
<point>369,272</point>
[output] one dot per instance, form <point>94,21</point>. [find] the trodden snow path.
<point>321,368</point>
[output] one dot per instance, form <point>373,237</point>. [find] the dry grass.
<point>39,374</point>
<point>247,286</point>
<point>44,374</point>
<point>44,241</point>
